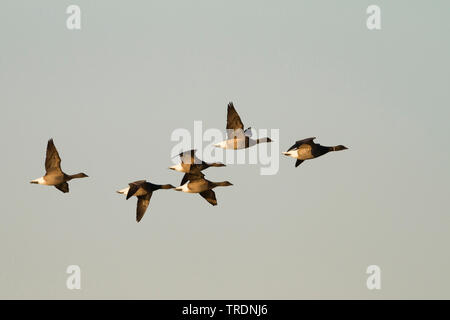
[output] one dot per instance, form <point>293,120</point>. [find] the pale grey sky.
<point>112,93</point>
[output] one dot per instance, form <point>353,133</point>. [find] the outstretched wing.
<point>209,196</point>
<point>64,187</point>
<point>134,187</point>
<point>300,142</point>
<point>52,159</point>
<point>142,205</point>
<point>298,162</point>
<point>191,176</point>
<point>235,127</point>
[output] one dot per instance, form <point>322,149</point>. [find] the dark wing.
<point>300,142</point>
<point>191,176</point>
<point>142,205</point>
<point>196,169</point>
<point>298,162</point>
<point>209,196</point>
<point>184,180</point>
<point>64,187</point>
<point>134,187</point>
<point>235,127</point>
<point>52,159</point>
<point>188,157</point>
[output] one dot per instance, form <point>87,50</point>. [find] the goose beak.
<point>178,189</point>
<point>34,182</point>
<point>171,168</point>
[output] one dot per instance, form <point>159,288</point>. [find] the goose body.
<point>191,164</point>
<point>54,176</point>
<point>240,143</point>
<point>143,190</point>
<point>307,149</point>
<point>238,138</point>
<point>196,183</point>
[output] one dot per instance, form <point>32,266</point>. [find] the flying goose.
<point>237,137</point>
<point>54,176</point>
<point>306,149</point>
<point>143,190</point>
<point>191,164</point>
<point>196,183</point>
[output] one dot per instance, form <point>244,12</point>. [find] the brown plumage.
<point>143,190</point>
<point>235,127</point>
<point>191,164</point>
<point>237,138</point>
<point>196,183</point>
<point>54,176</point>
<point>306,149</point>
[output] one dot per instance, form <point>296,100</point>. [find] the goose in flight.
<point>143,190</point>
<point>306,149</point>
<point>191,164</point>
<point>238,138</point>
<point>196,183</point>
<point>54,176</point>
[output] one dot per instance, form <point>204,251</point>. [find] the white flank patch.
<point>124,191</point>
<point>184,188</point>
<point>178,168</point>
<point>222,144</point>
<point>292,153</point>
<point>40,180</point>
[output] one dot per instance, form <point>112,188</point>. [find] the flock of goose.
<point>194,180</point>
